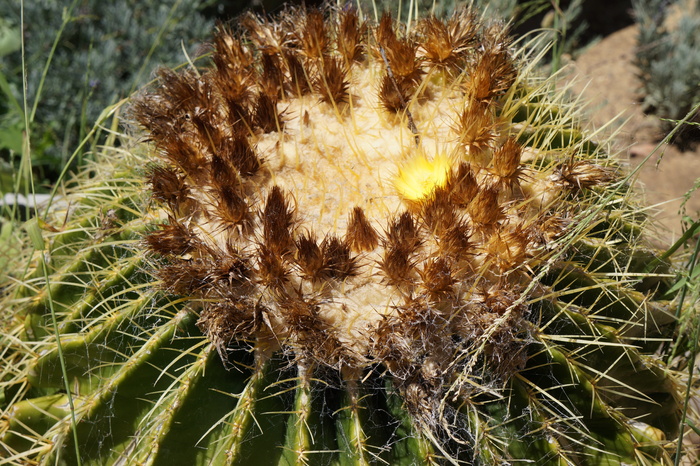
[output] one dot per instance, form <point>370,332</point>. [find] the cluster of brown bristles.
<point>406,281</point>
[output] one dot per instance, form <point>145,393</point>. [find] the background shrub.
<point>97,53</point>
<point>668,62</point>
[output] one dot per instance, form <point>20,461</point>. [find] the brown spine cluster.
<point>577,175</point>
<point>400,245</point>
<point>403,71</point>
<point>350,36</point>
<point>476,127</point>
<point>361,236</point>
<point>331,259</point>
<point>448,44</point>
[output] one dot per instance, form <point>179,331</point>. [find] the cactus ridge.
<point>346,242</point>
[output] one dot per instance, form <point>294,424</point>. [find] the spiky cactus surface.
<point>344,242</point>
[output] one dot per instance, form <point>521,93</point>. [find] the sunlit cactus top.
<point>356,194</point>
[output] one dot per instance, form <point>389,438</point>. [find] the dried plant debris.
<point>389,211</point>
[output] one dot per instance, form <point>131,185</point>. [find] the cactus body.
<point>359,244</point>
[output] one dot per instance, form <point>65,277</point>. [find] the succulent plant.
<point>344,242</point>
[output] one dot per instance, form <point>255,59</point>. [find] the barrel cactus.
<point>343,241</point>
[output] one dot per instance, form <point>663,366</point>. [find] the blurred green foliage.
<point>79,59</point>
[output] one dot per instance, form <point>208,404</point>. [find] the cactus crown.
<point>373,203</point>
<point>353,194</point>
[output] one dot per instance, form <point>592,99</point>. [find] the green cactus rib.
<point>409,445</point>
<point>565,371</point>
<point>79,299</point>
<point>623,377</point>
<point>32,417</point>
<point>309,437</point>
<point>130,391</point>
<point>626,309</point>
<point>75,271</point>
<point>352,437</point>
<point>249,418</point>
<point>610,439</point>
<point>547,132</point>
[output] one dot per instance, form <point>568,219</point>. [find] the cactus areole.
<point>401,246</point>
